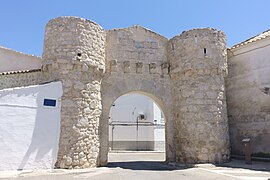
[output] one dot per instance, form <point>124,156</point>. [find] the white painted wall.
<point>157,114</point>
<point>248,101</point>
<point>126,109</point>
<point>159,131</point>
<point>15,61</point>
<point>29,132</point>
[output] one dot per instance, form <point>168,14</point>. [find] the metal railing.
<point>136,125</point>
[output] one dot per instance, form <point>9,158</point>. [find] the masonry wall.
<point>74,53</point>
<point>9,80</point>
<point>11,60</point>
<point>136,61</point>
<point>184,76</point>
<point>198,60</point>
<point>248,97</point>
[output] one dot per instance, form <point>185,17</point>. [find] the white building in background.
<point>11,61</point>
<point>248,94</point>
<point>136,123</point>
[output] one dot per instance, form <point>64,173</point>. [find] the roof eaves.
<point>20,72</point>
<point>253,39</point>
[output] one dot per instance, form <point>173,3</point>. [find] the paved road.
<point>150,166</point>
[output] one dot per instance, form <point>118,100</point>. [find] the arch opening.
<point>137,123</point>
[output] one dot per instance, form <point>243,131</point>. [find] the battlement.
<point>184,75</point>
<point>138,67</point>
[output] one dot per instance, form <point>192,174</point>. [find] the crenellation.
<point>184,75</point>
<point>152,68</point>
<point>126,65</point>
<point>138,67</point>
<point>165,68</point>
<point>113,67</point>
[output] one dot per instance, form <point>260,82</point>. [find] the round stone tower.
<point>198,60</point>
<point>74,53</point>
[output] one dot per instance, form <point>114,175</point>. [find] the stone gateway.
<point>184,75</point>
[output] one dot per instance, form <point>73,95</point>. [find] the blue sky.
<point>22,22</point>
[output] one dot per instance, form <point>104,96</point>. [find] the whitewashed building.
<point>30,126</point>
<point>136,123</point>
<point>211,101</point>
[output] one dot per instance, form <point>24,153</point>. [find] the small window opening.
<point>204,51</point>
<point>172,46</point>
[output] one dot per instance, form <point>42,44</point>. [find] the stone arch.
<point>160,95</point>
<point>186,75</point>
<point>157,100</point>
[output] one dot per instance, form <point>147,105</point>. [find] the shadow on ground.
<point>144,165</point>
<point>239,163</point>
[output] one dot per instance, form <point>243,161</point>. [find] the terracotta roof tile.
<point>258,37</point>
<point>20,72</point>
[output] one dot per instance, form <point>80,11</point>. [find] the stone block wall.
<point>25,78</point>
<point>74,53</point>
<point>188,84</point>
<point>136,44</point>
<point>136,61</point>
<point>198,62</point>
<point>184,76</point>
